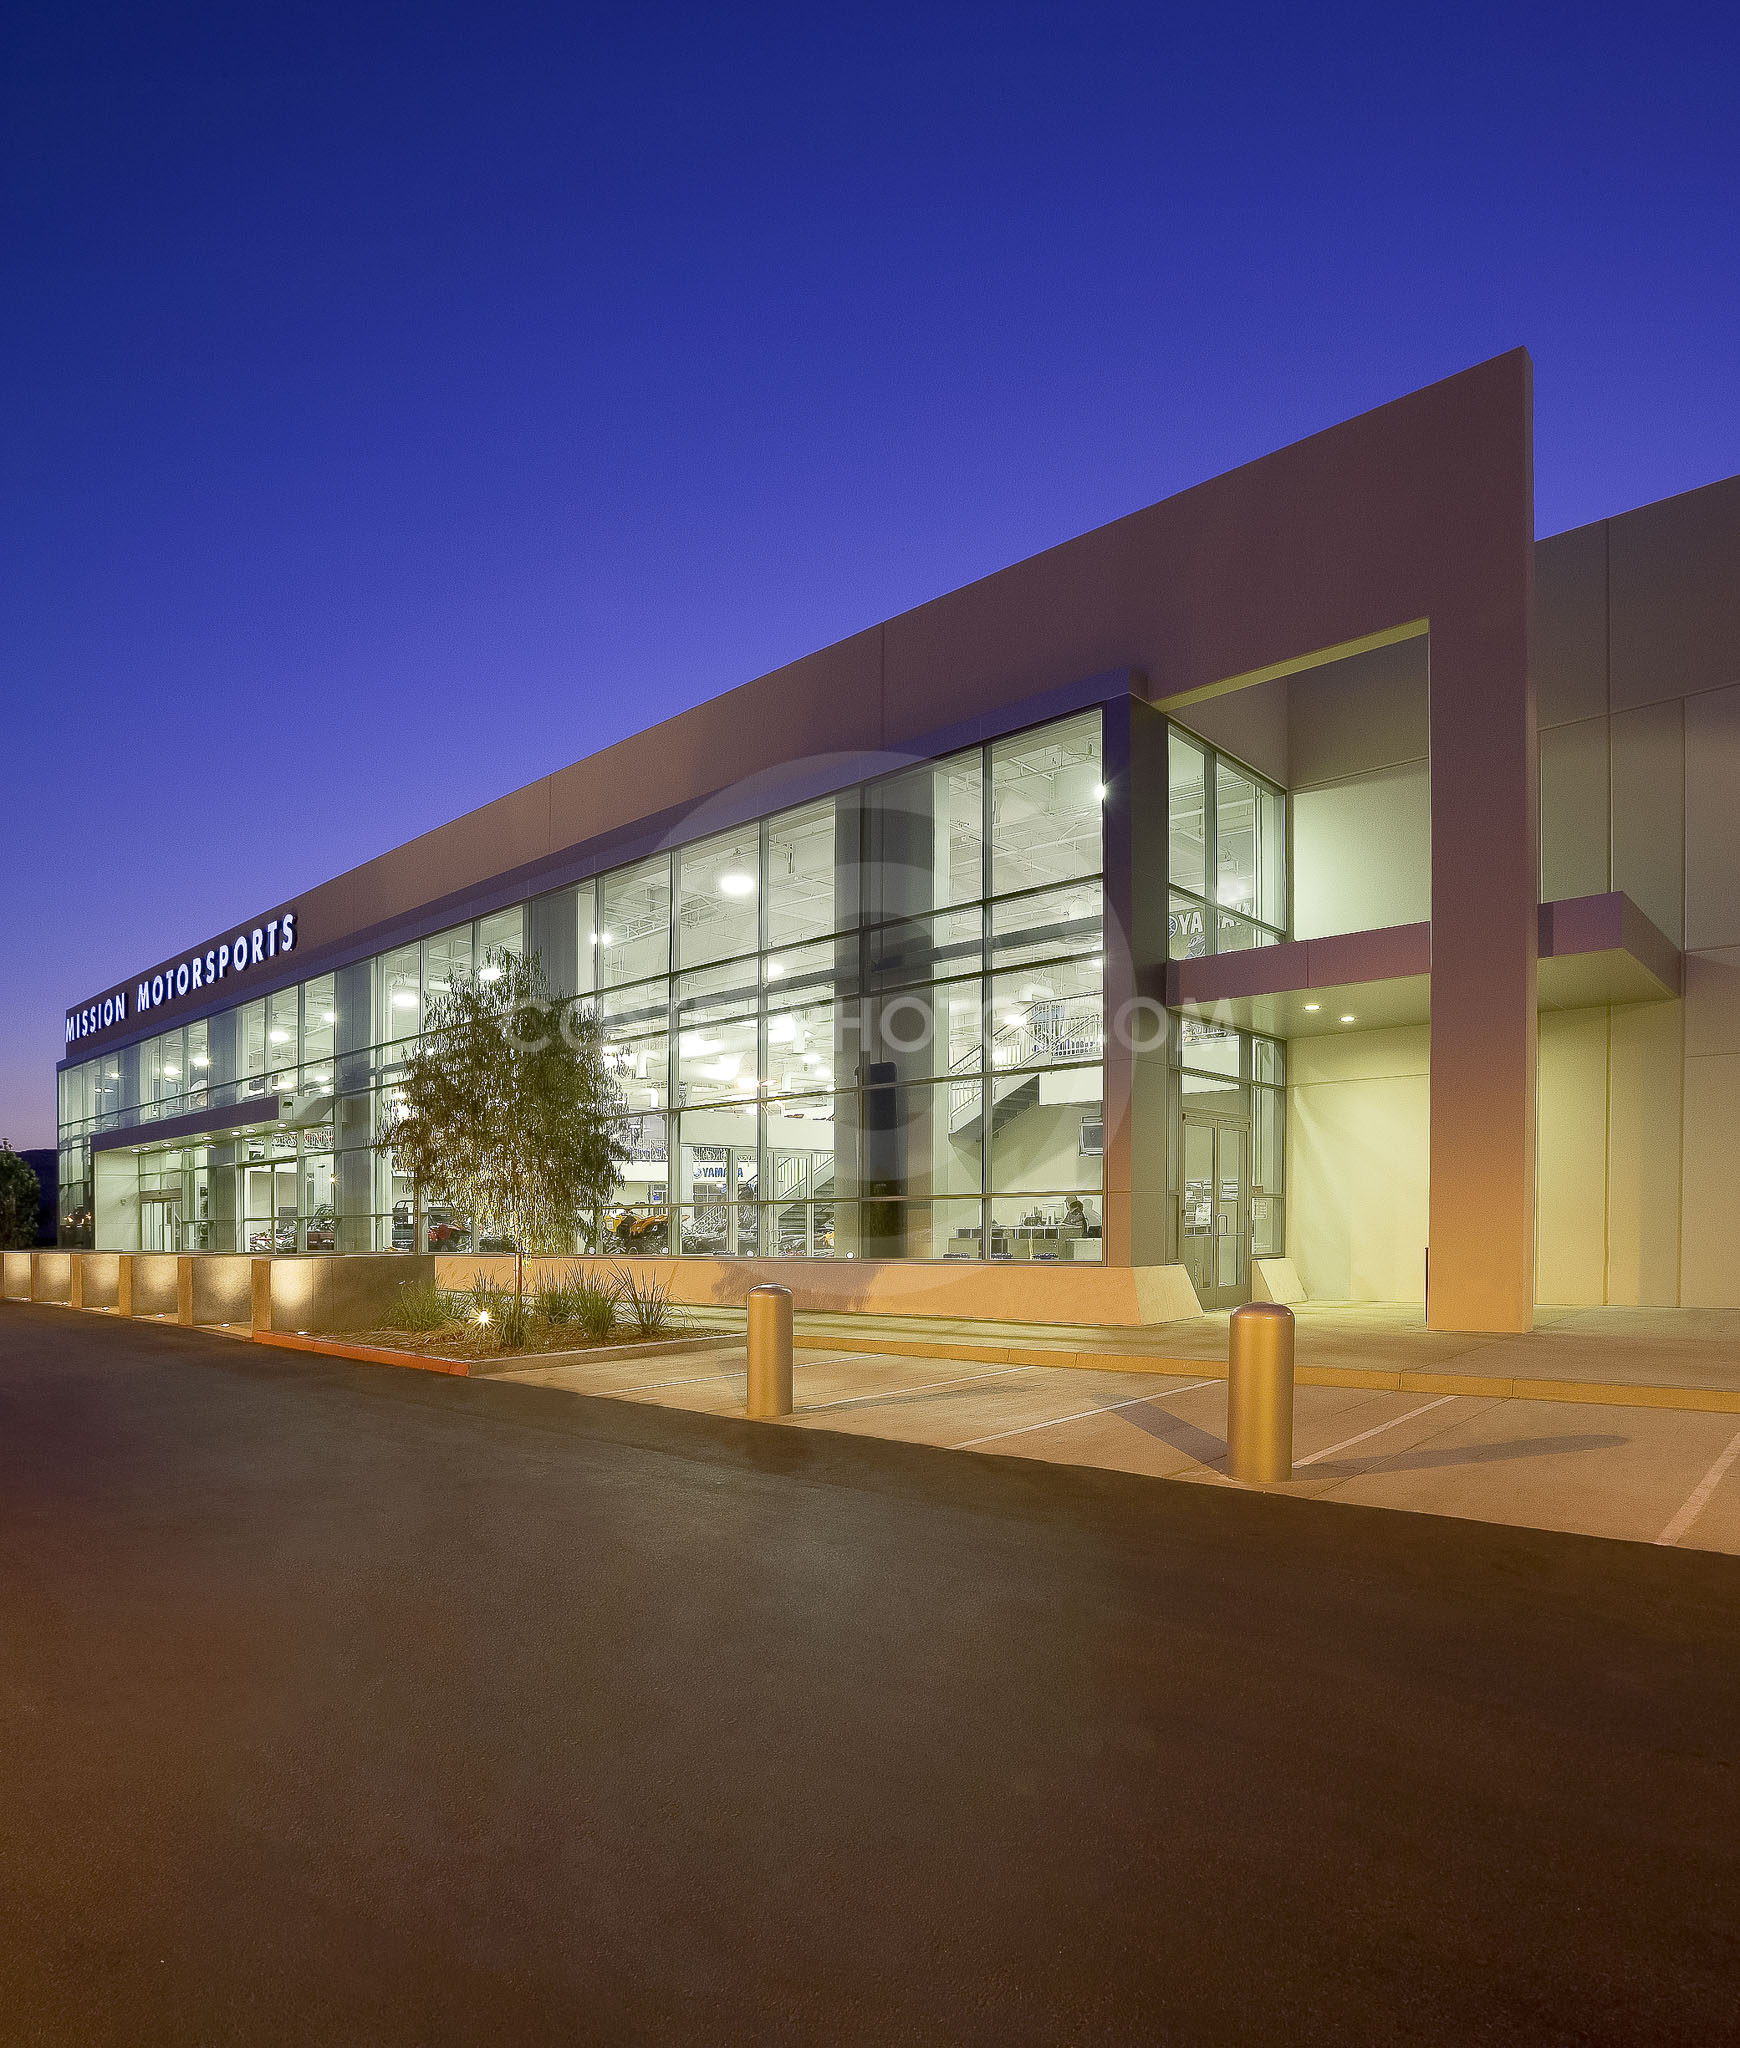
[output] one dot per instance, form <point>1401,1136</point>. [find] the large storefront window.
<point>1227,853</point>
<point>871,1026</point>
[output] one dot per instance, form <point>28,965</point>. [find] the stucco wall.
<point>1356,1164</point>
<point>1638,671</point>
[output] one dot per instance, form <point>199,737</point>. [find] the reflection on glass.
<point>401,994</point>
<point>799,870</point>
<point>923,948</point>
<point>446,963</point>
<point>1187,815</point>
<point>719,897</point>
<point>1227,850</point>
<point>1051,922</point>
<point>1047,802</point>
<point>1047,1016</point>
<point>634,923</point>
<point>504,931</point>
<point>926,839</point>
<point>1186,929</point>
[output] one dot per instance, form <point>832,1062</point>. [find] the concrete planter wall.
<point>155,1288</point>
<point>356,1290</point>
<point>348,1291</point>
<point>219,1287</point>
<point>972,1289</point>
<point>51,1276</point>
<point>96,1279</point>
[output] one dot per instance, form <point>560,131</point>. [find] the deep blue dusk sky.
<point>401,401</point>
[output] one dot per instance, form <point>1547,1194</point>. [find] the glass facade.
<point>1226,853</point>
<point>870,1026</point>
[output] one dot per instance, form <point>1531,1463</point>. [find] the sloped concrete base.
<point>1276,1280</point>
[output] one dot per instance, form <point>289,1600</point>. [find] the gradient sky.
<point>402,401</point>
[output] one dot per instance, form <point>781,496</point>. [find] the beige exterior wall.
<point>1638,671</point>
<point>1612,1115</point>
<point>1357,1117</point>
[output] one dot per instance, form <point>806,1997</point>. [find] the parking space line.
<point>1395,1422</point>
<point>994,1372</point>
<point>1699,1497</point>
<point>1081,1415</point>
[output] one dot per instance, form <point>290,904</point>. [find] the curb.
<point>486,1368</point>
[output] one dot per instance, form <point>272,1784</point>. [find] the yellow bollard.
<point>1259,1395</point>
<point>769,1351</point>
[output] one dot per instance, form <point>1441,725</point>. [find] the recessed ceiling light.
<point>1314,1006</point>
<point>1347,1020</point>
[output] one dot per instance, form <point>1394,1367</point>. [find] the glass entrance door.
<point>1216,1222</point>
<point>269,1206</point>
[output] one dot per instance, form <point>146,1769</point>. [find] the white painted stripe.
<point>725,1372</point>
<point>1057,1421</point>
<point>924,1387</point>
<point>1395,1422</point>
<point>1699,1498</point>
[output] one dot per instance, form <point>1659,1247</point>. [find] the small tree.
<point>510,1106</point>
<point>20,1201</point>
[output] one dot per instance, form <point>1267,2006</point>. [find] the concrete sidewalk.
<point>1597,1468</point>
<point>1686,1352</point>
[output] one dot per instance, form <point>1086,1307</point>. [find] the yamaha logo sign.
<point>248,949</point>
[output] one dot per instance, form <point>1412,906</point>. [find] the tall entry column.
<point>1485,917</point>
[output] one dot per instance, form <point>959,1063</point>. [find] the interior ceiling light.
<point>279,1037</point>
<point>328,1017</point>
<point>775,968</point>
<point>404,1000</point>
<point>489,974</point>
<point>1314,1006</point>
<point>1347,1020</point>
<point>736,884</point>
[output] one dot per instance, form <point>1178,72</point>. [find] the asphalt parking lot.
<point>348,1704</point>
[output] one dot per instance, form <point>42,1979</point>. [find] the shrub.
<point>580,1298</point>
<point>513,1322</point>
<point>595,1303</point>
<point>647,1299</point>
<point>421,1306</point>
<point>554,1304</point>
<point>504,1319</point>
